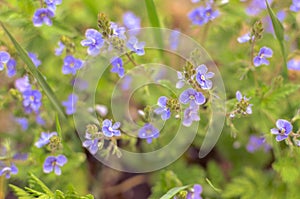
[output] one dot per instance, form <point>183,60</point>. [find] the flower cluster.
<point>203,15</point>
<point>243,107</point>
<point>44,15</point>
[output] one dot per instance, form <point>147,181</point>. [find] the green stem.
<point>131,60</point>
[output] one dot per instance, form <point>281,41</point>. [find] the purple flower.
<point>255,143</point>
<point>149,132</point>
<point>23,122</point>
<point>60,49</point>
<point>163,109</point>
<point>71,65</point>
<point>32,100</point>
<point>264,53</point>
<point>131,21</point>
<point>91,143</point>
<point>192,96</point>
<point>8,170</point>
<point>51,4</point>
<point>117,31</point>
<point>256,6</point>
<point>11,67</point>
<point>293,64</point>
<point>54,163</point>
<point>203,77</point>
<point>22,84</point>
<point>135,46</point>
<point>202,15</point>
<point>295,7</point>
<point>34,59</point>
<point>4,58</point>
<point>244,100</point>
<point>283,129</point>
<point>70,104</point>
<point>190,114</point>
<point>39,120</point>
<point>244,38</point>
<point>195,194</point>
<point>42,16</point>
<point>93,41</point>
<point>44,139</point>
<point>109,129</point>
<point>118,68</point>
<point>181,80</point>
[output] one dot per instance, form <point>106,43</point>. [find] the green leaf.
<point>279,32</point>
<point>212,186</point>
<point>22,194</point>
<point>36,73</point>
<point>34,182</point>
<point>58,127</point>
<point>171,193</point>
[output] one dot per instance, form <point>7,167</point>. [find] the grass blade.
<point>35,72</point>
<point>172,192</point>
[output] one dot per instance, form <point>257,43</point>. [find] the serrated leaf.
<point>34,181</point>
<point>22,194</point>
<point>171,193</point>
<point>36,73</point>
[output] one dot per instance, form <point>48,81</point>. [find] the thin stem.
<point>131,60</point>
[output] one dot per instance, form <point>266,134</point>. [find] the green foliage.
<point>171,193</point>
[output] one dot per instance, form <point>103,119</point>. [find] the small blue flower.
<point>256,6</point>
<point>34,59</point>
<point>32,100</point>
<point>149,132</point>
<point>110,130</point>
<point>134,45</point>
<point>91,143</point>
<point>4,58</point>
<point>192,96</point>
<point>203,77</point>
<point>293,64</point>
<point>196,192</point>
<point>163,110</point>
<point>117,31</point>
<point>255,143</point>
<point>244,38</point>
<point>53,163</point>
<point>70,104</point>
<point>71,65</point>
<point>202,15</point>
<point>244,99</point>
<point>94,41</point>
<point>11,67</point>
<point>181,80</point>
<point>8,170</point>
<point>42,16</point>
<point>60,49</point>
<point>295,7</point>
<point>44,139</point>
<point>284,128</point>
<point>23,122</point>
<point>260,59</point>
<point>131,21</point>
<point>118,68</point>
<point>191,114</point>
<point>23,84</point>
<point>51,4</point>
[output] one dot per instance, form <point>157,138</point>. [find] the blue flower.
<point>192,96</point>
<point>34,59</point>
<point>70,104</point>
<point>255,143</point>
<point>260,59</point>
<point>53,163</point>
<point>131,21</point>
<point>295,7</point>
<point>44,139</point>
<point>94,41</point>
<point>244,38</point>
<point>51,4</point>
<point>23,122</point>
<point>32,100</point>
<point>42,16</point>
<point>8,170</point>
<point>91,143</point>
<point>202,15</point>
<point>71,65</point>
<point>149,132</point>
<point>256,6</point>
<point>23,84</point>
<point>196,192</point>
<point>4,58</point>
<point>190,114</point>
<point>117,31</point>
<point>109,129</point>
<point>11,67</point>
<point>181,80</point>
<point>118,68</point>
<point>284,128</point>
<point>203,77</point>
<point>135,46</point>
<point>163,110</point>
<point>244,100</point>
<point>39,120</point>
<point>293,64</point>
<point>60,49</point>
